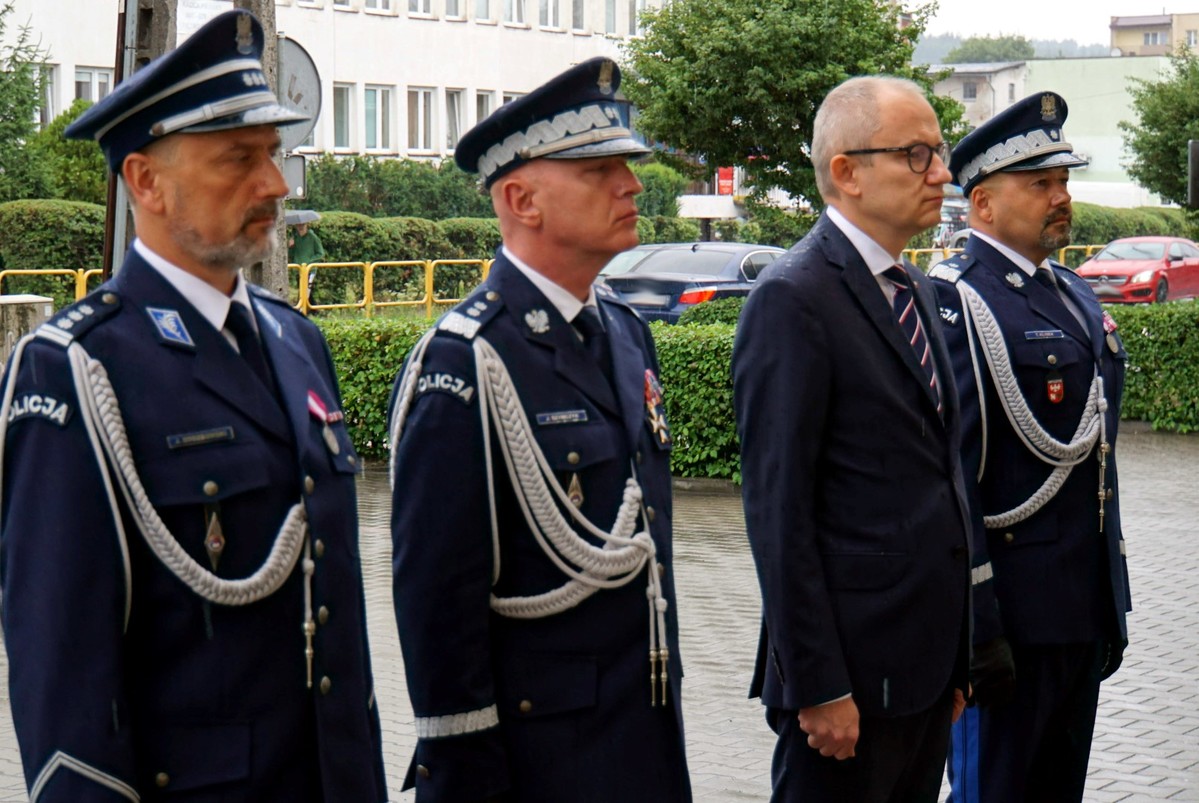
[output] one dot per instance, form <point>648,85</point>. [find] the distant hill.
<point>933,49</point>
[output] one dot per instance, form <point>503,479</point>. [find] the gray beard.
<point>241,252</point>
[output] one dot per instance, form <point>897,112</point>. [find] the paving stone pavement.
<point>1147,735</point>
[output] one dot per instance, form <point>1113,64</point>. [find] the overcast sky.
<point>1086,22</point>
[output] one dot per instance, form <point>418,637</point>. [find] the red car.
<point>1144,270</point>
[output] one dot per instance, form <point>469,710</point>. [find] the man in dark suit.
<point>853,492</point>
<point>182,596</point>
<point>531,472</point>
<point>1040,370</point>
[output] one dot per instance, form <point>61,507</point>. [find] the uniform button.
<point>211,488</point>
<point>525,706</point>
<point>422,771</point>
<point>1108,495</point>
<point>1052,358</point>
<point>326,684</point>
<point>309,484</point>
<point>353,461</point>
<point>322,615</point>
<point>318,547</point>
<point>573,458</point>
<point>111,298</point>
<point>161,780</point>
<point>650,513</point>
<point>1008,538</point>
<point>661,570</point>
<point>492,295</point>
<point>640,457</point>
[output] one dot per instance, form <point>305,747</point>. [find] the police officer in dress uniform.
<point>182,597</point>
<point>1040,370</point>
<point>531,510</point>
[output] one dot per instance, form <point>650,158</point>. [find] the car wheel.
<point>1162,291</point>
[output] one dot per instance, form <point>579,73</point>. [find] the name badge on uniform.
<point>1044,334</point>
<point>561,417</point>
<point>320,412</point>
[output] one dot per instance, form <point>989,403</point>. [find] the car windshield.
<point>681,260</point>
<point>1132,251</point>
<point>623,263</point>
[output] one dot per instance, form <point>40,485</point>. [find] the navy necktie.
<point>238,322</point>
<point>595,338</point>
<point>909,320</point>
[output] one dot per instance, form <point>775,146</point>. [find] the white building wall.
<point>378,45</point>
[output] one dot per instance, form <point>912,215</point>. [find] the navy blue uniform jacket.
<point>1059,579</point>
<point>571,690</point>
<point>190,698</point>
<point>854,500</point>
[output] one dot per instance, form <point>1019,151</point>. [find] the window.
<point>341,115</point>
<point>577,18</point>
<point>610,16</point>
<point>453,117</point>
<point>341,3</point>
<point>969,91</point>
<point>483,9</point>
<point>510,96</point>
<point>551,15</point>
<point>1192,38</point>
<point>1011,93</point>
<point>45,111</point>
<point>420,119</point>
<point>514,11</point>
<point>1153,37</point>
<point>635,9</point>
<point>379,5</point>
<point>377,117</point>
<point>453,9</point>
<point>92,83</point>
<point>483,100</point>
<point>420,7</point>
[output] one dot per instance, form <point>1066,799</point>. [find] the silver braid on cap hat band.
<point>548,132</point>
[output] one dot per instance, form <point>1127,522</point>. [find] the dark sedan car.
<point>663,280</point>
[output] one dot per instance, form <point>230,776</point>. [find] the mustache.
<point>1064,214</point>
<point>272,209</point>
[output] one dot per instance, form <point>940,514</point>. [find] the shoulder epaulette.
<point>74,321</point>
<point>472,314</point>
<point>266,295</point>
<point>946,272</point>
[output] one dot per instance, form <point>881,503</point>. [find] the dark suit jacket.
<point>853,492</point>
<point>571,690</point>
<point>1059,579</point>
<point>119,674</point>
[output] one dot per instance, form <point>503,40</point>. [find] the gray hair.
<point>848,119</point>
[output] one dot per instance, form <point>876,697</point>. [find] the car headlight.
<point>1143,277</point>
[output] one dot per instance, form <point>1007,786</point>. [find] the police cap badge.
<point>212,82</point>
<point>1025,136</point>
<point>578,114</point>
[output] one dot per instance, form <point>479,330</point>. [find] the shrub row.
<point>1162,385</point>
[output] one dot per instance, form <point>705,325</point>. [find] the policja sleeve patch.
<point>37,405</point>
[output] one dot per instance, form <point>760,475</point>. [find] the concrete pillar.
<point>20,315</point>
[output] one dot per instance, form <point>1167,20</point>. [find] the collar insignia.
<point>1015,279</point>
<point>538,321</point>
<point>170,326</point>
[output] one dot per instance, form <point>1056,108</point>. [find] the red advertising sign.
<point>724,181</point>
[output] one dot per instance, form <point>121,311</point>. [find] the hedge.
<point>1162,385</point>
<point>64,235</point>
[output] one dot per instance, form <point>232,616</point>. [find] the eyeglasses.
<point>920,156</point>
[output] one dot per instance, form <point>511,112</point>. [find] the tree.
<point>663,186</point>
<point>985,50</point>
<point>22,175</point>
<point>76,167</point>
<point>1167,114</point>
<point>737,82</point>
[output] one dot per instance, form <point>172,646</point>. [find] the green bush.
<point>417,238</point>
<point>674,230</point>
<point>663,186</point>
<point>349,237</point>
<point>645,230</point>
<point>1163,378</point>
<point>698,394</point>
<point>472,237</point>
<point>720,310</point>
<point>1162,385</point>
<point>368,353</point>
<point>50,234</point>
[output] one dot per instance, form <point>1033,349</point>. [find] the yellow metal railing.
<point>374,276</point>
<point>925,258</point>
<point>80,276</point>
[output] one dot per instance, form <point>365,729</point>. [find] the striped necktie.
<point>909,320</point>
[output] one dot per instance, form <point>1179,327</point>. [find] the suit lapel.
<point>628,371</point>
<point>542,324</point>
<point>294,372</point>
<point>1086,305</point>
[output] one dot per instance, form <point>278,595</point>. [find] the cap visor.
<point>273,114</point>
<point>1047,161</point>
<point>624,146</point>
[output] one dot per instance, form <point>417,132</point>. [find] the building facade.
<point>983,89</point>
<point>399,78</point>
<point>1154,34</point>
